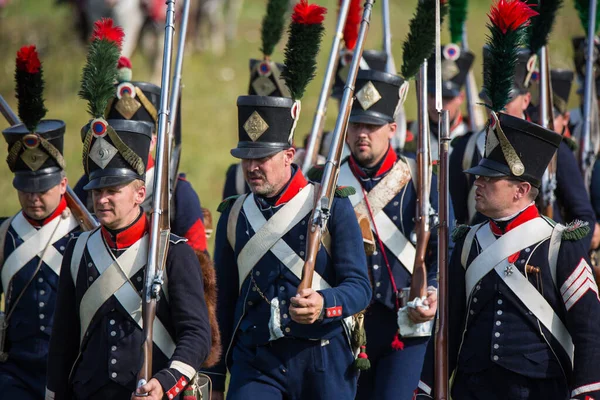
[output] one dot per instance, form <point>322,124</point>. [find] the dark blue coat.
<point>246,312</point>
<point>111,349</point>
<point>32,322</point>
<point>496,329</point>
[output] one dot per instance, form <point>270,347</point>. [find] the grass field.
<point>209,96</point>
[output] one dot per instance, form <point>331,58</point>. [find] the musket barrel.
<point>441,385</point>
<point>322,207</point>
<point>316,132</point>
<point>589,82</point>
<point>8,113</point>
<point>159,223</point>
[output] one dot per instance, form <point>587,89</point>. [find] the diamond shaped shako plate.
<point>102,152</point>
<point>34,158</point>
<point>255,126</point>
<point>368,95</point>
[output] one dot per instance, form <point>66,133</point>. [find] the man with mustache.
<point>376,171</point>
<point>33,241</point>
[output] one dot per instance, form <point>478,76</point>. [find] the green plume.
<point>541,25</point>
<point>29,92</point>
<point>583,9</point>
<point>457,15</point>
<point>420,43</point>
<point>500,65</point>
<point>99,76</point>
<point>272,25</point>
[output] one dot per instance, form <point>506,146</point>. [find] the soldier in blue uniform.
<point>386,194</point>
<point>570,190</point>
<point>99,334</point>
<point>32,242</point>
<point>139,101</point>
<point>285,343</point>
<point>95,350</point>
<point>456,64</point>
<point>524,308</point>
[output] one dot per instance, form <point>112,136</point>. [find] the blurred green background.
<point>212,83</point>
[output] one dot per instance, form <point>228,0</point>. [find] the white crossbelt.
<point>269,233</point>
<point>524,235</point>
<point>113,282</point>
<point>519,284</point>
<point>389,233</point>
<point>279,248</point>
<point>34,243</point>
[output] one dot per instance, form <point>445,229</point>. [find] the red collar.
<point>62,205</point>
<point>387,164</point>
<point>528,214</point>
<point>128,236</point>
<point>150,162</point>
<point>457,122</point>
<point>297,183</point>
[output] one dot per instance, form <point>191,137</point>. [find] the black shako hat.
<point>371,60</point>
<point>115,151</point>
<point>516,148</point>
<point>377,97</point>
<point>562,80</point>
<point>456,64</point>
<point>266,125</point>
<point>36,158</point>
<point>524,74</point>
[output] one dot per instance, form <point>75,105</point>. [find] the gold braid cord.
<point>129,155</point>
<point>87,142</point>
<point>147,104</point>
<point>13,154</point>
<point>514,162</point>
<point>53,151</point>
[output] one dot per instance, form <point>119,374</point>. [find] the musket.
<point>441,333</point>
<point>86,221</point>
<point>476,115</point>
<point>160,228</point>
<point>422,231</point>
<point>441,386</point>
<point>322,208</point>
<point>399,139</point>
<point>175,100</point>
<point>589,146</point>
<point>316,133</point>
<point>547,121</point>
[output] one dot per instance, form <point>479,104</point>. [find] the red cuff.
<point>196,236</point>
<point>178,388</point>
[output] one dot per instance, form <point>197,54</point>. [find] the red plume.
<point>104,29</point>
<point>352,22</point>
<point>124,62</point>
<point>308,14</point>
<point>28,60</point>
<point>511,14</point>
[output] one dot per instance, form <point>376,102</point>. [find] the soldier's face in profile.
<point>517,106</point>
<point>41,205</point>
<point>118,206</point>
<point>369,143</point>
<point>500,197</point>
<point>267,176</point>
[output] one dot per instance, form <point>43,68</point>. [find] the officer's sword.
<point>81,213</point>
